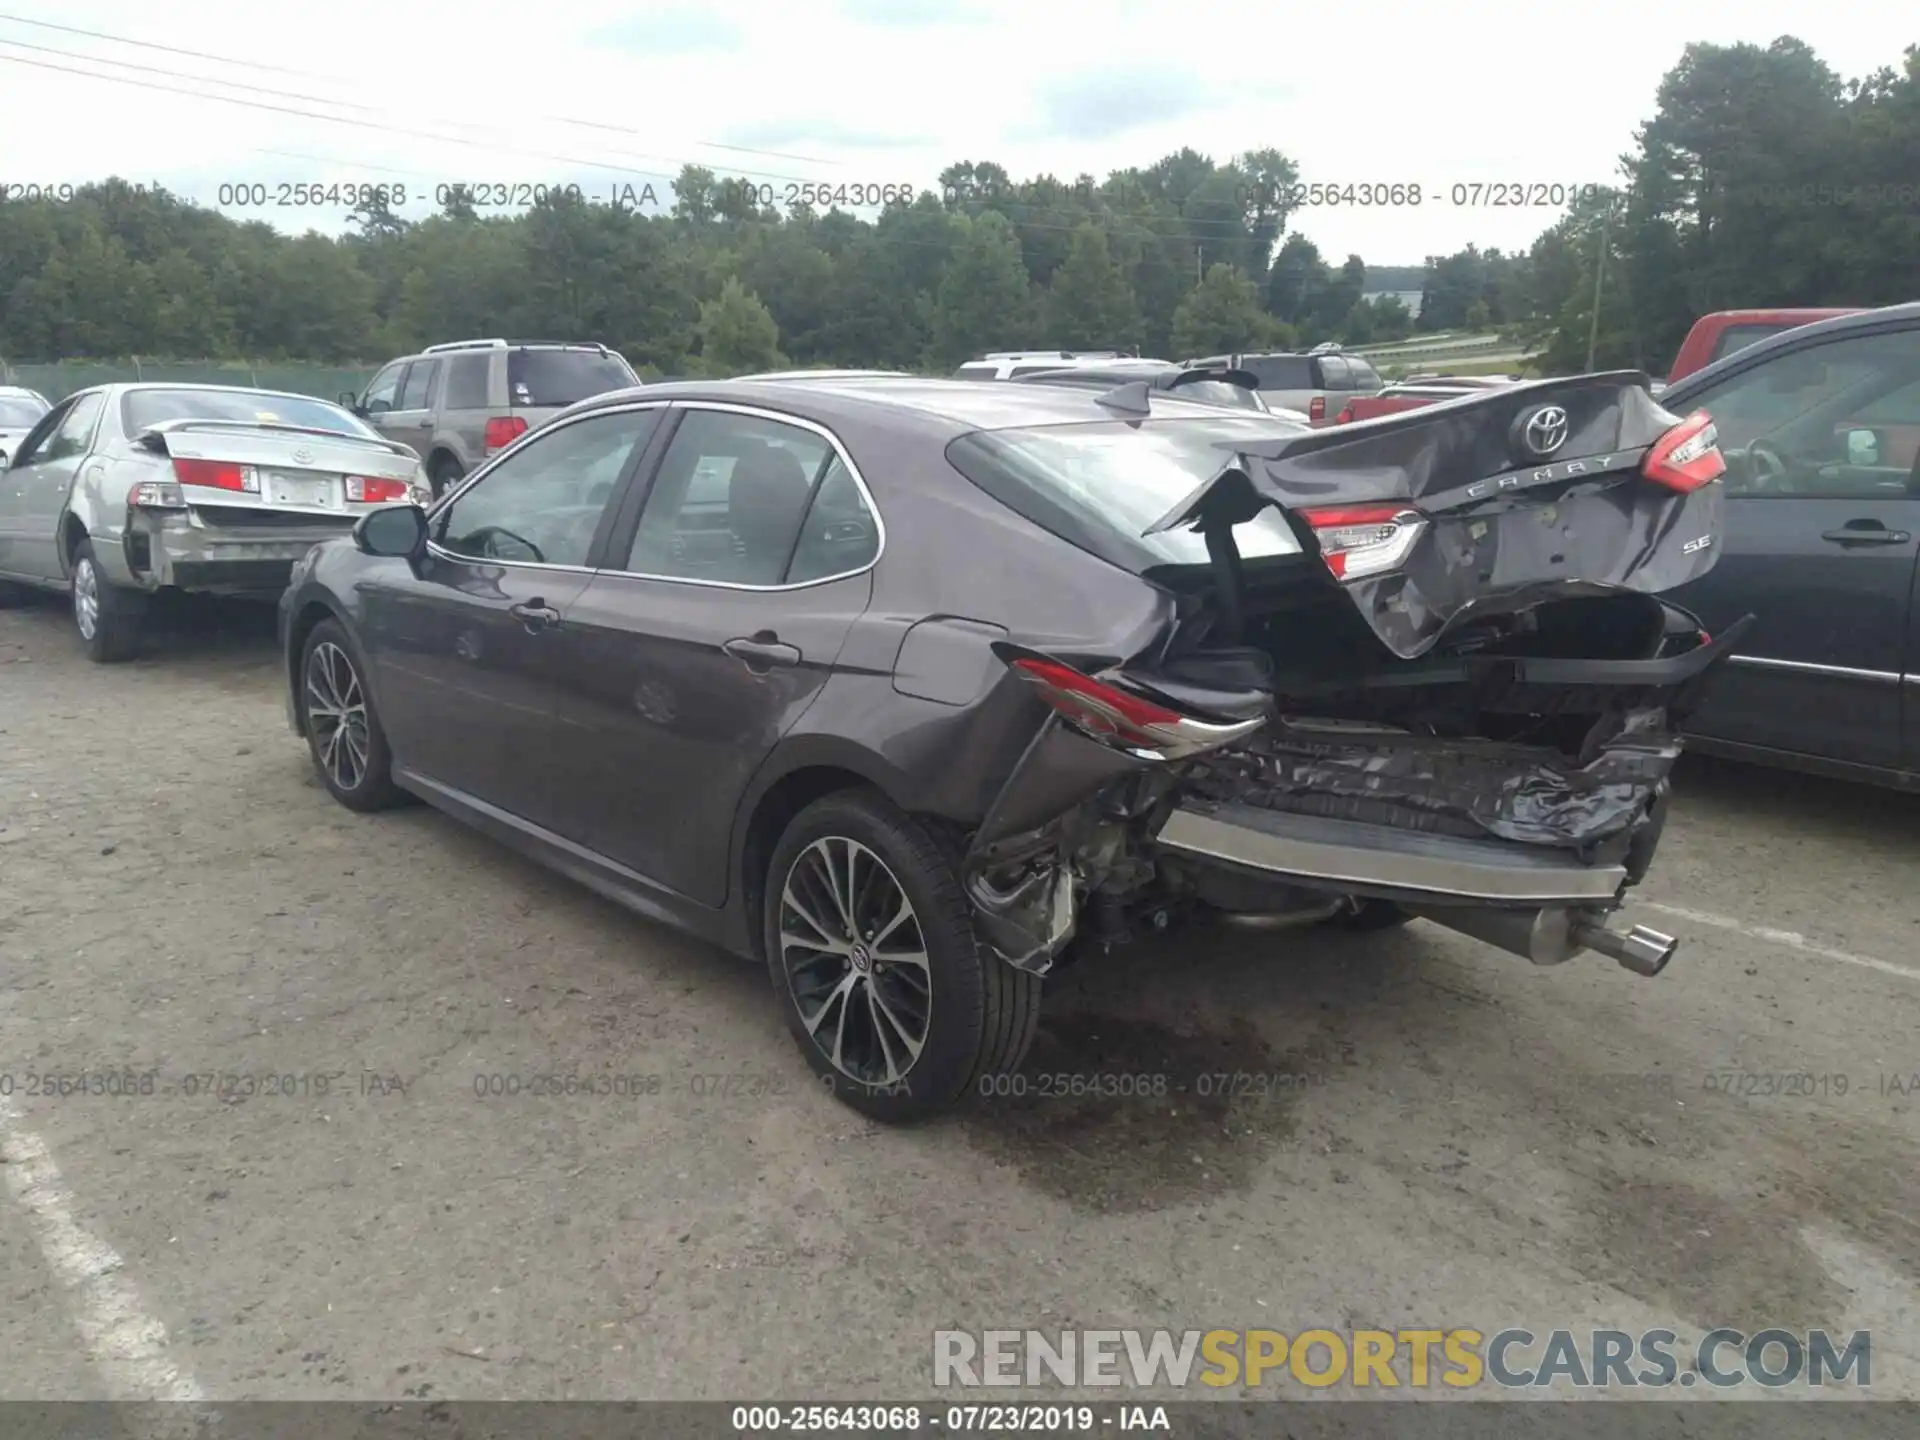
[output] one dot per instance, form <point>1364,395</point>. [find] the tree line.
<point>1762,179</point>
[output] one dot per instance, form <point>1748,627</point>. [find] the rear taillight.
<point>1361,540</point>
<point>156,495</point>
<point>1143,728</point>
<point>216,475</point>
<point>1687,456</point>
<point>1345,417</point>
<point>1317,408</point>
<point>503,430</point>
<point>372,489</point>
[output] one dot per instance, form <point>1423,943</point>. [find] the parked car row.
<point>916,690</point>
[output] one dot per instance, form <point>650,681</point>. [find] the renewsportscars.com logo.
<point>1389,1359</point>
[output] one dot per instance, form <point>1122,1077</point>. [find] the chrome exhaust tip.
<point>1641,950</point>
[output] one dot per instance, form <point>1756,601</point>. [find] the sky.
<point>615,97</point>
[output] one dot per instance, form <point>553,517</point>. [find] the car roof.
<point>963,405</point>
<point>1889,317</point>
<point>126,387</point>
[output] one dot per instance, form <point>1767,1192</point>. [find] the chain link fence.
<point>59,379</point>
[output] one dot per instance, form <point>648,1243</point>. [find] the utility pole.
<point>1599,274</point>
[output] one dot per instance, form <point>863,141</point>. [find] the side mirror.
<point>349,400</point>
<point>396,531</point>
<point>1864,447</point>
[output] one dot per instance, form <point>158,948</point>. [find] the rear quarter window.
<point>561,377</point>
<point>1280,372</point>
<point>1334,374</point>
<point>466,387</point>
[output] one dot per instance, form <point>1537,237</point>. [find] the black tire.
<point>359,776</point>
<point>980,1013</point>
<point>444,474</point>
<point>107,617</point>
<point>1371,916</point>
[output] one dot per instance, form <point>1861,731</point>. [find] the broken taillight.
<point>1687,456</point>
<point>1143,728</point>
<point>1362,540</point>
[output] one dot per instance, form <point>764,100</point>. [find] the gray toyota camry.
<point>914,690</point>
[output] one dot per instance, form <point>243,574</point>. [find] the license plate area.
<point>308,490</point>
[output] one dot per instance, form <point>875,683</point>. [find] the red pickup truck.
<point>1720,334</point>
<point>1415,391</point>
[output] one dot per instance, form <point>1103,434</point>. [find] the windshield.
<point>1100,485</point>
<point>560,377</point>
<point>143,408</point>
<point>19,413</point>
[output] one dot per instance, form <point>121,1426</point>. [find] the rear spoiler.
<point>154,436</point>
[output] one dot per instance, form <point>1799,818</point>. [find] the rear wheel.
<point>344,737</point>
<point>106,615</point>
<point>444,474</point>
<point>891,997</point>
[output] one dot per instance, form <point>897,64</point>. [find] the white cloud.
<point>603,94</point>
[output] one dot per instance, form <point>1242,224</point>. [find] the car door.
<point>1819,544</point>
<point>42,484</point>
<point>411,419</point>
<point>462,642</point>
<point>13,486</point>
<point>730,587</point>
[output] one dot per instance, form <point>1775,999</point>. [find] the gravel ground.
<point>1455,1139</point>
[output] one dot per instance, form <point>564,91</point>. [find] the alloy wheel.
<point>855,960</point>
<point>337,715</point>
<point>86,597</point>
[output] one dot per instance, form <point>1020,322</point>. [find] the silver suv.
<point>1318,382</point>
<point>458,403</point>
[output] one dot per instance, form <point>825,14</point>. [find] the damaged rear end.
<point>1415,666</point>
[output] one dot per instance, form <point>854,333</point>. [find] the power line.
<point>1215,229</point>
<point>342,80</point>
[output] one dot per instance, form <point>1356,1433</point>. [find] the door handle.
<point>1865,532</point>
<point>424,425</point>
<point>763,651</point>
<point>535,615</point>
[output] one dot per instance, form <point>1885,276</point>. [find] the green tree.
<point>1478,316</point>
<point>1090,305</point>
<point>737,334</point>
<point>1221,314</point>
<point>983,302</point>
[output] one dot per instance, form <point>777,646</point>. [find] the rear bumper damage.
<point>179,549</point>
<point>1520,846</point>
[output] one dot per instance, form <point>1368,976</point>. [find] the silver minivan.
<point>458,403</point>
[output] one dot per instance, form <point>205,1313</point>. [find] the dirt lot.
<point>1452,1138</point>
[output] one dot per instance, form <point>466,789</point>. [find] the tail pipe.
<point>1552,935</point>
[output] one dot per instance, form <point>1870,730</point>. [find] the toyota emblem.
<point>303,455</point>
<point>1544,431</point>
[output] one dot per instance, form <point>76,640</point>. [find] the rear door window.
<point>542,378</point>
<point>1738,337</point>
<point>1334,374</point>
<point>1364,376</point>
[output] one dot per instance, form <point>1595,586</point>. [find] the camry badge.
<point>1544,431</point>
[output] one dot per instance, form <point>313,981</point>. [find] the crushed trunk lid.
<point>1433,517</point>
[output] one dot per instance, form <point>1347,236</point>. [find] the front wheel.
<point>444,475</point>
<point>107,616</point>
<point>344,735</point>
<point>891,997</point>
